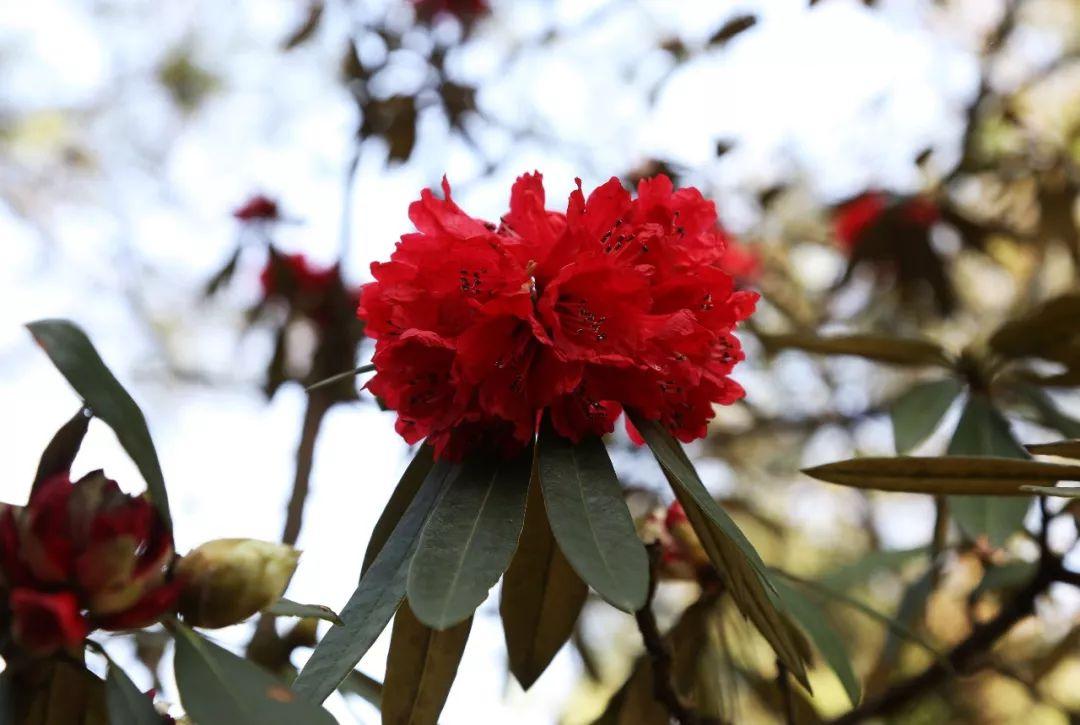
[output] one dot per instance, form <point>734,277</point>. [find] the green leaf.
<point>846,576</point>
<point>1062,491</point>
<point>420,668</point>
<point>288,608</point>
<point>127,705</point>
<point>542,596</point>
<point>218,687</point>
<point>983,431</point>
<point>376,598</point>
<point>682,476</point>
<point>814,622</point>
<point>736,561</point>
<point>368,688</point>
<point>974,475</point>
<point>917,413</point>
<point>589,518</point>
<point>62,449</point>
<point>75,357</point>
<point>58,692</point>
<point>1048,412</point>
<point>470,538</point>
<point>1063,449</point>
<point>403,494</point>
<point>1045,332</point>
<point>1006,576</point>
<point>894,350</point>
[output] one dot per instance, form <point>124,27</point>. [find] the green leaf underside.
<point>917,413</point>
<point>898,351</point>
<point>734,558</point>
<point>289,608</point>
<point>469,539</point>
<point>1063,449</point>
<point>218,687</point>
<point>974,475</point>
<point>403,494</point>
<point>814,622</point>
<point>376,598</point>
<point>589,518</point>
<point>541,596</point>
<point>127,705</point>
<point>420,669</point>
<point>75,357</point>
<point>1044,332</point>
<point>983,431</point>
<point>62,449</point>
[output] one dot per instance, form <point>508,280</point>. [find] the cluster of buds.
<point>682,558</point>
<point>85,556</point>
<point>78,557</point>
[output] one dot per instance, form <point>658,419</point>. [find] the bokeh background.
<point>131,130</point>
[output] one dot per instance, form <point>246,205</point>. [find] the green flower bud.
<point>225,581</point>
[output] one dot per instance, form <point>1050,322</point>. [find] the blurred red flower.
<point>854,219</point>
<point>619,302</point>
<point>79,557</point>
<point>257,208</point>
<point>315,292</point>
<point>461,9</point>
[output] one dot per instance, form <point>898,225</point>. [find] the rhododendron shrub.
<point>618,302</point>
<point>510,349</point>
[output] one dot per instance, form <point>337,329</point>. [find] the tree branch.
<point>966,656</point>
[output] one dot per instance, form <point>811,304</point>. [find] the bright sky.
<point>838,96</point>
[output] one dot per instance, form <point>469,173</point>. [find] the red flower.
<point>858,215</point>
<point>461,9</point>
<point>105,552</point>
<point>740,261</point>
<point>257,208</point>
<point>313,292</point>
<point>619,302</point>
<point>42,622</point>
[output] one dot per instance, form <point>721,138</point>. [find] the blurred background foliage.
<point>903,168</point>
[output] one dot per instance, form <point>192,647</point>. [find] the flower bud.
<point>227,580</point>
<point>686,539</point>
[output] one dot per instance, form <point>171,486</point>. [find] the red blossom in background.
<point>79,557</point>
<point>311,291</point>
<point>620,302</point>
<point>460,9</point>
<point>257,208</point>
<point>856,218</point>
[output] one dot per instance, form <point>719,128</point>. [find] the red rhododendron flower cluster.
<point>257,208</point>
<point>854,219</point>
<point>80,557</point>
<point>318,293</point>
<point>619,302</point>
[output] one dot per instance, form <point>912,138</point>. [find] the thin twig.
<point>305,456</point>
<point>660,654</point>
<point>366,368</point>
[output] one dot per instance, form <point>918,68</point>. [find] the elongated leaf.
<point>986,476</point>
<point>218,687</point>
<point>75,357</point>
<point>420,668</point>
<point>127,705</point>
<point>1063,449</point>
<point>542,596</point>
<point>908,614</point>
<point>895,350</point>
<point>1062,491</point>
<point>367,687</point>
<point>918,412</point>
<point>410,483</point>
<point>983,431</point>
<point>814,622</point>
<point>62,449</point>
<point>58,692</point>
<point>1048,412</point>
<point>470,539</point>
<point>752,592</point>
<point>590,520</point>
<point>846,576</point>
<point>1006,576</point>
<point>289,608</point>
<point>681,474</point>
<point>1041,333</point>
<point>376,598</point>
